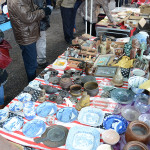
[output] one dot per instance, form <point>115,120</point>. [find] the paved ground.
<point>56,45</point>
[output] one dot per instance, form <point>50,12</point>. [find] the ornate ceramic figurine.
<point>118,78</point>
<point>42,96</point>
<point>83,102</point>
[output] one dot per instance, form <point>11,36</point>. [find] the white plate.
<point>35,84</point>
<point>24,97</point>
<point>4,114</point>
<point>16,106</point>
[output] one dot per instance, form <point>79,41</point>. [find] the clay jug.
<point>118,78</point>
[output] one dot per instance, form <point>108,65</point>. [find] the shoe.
<point>2,106</point>
<point>41,66</point>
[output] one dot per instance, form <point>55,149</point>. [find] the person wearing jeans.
<point>25,20</point>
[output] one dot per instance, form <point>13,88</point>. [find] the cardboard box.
<point>145,9</point>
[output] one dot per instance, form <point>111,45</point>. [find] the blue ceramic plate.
<point>24,97</point>
<point>45,109</point>
<point>91,116</point>
<point>16,106</point>
<point>83,138</point>
<point>67,114</point>
<point>115,122</point>
<point>122,96</point>
<point>35,85</point>
<point>13,124</point>
<point>4,114</point>
<point>34,128</point>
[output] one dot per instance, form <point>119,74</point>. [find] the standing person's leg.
<point>116,3</point>
<point>29,55</point>
<point>1,96</point>
<point>67,14</point>
<point>41,48</point>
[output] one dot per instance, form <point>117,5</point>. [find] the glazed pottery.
<point>137,131</point>
<point>130,113</point>
<point>91,88</point>
<point>135,145</point>
<point>65,83</point>
<point>42,96</point>
<point>54,80</point>
<point>141,103</point>
<point>138,72</point>
<point>83,102</point>
<point>135,82</point>
<point>110,137</point>
<point>118,78</point>
<point>48,89</point>
<point>75,90</point>
<point>88,78</point>
<point>59,99</point>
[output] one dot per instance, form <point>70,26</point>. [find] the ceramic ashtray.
<point>110,137</point>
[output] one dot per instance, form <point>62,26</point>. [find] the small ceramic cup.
<point>91,88</point>
<point>75,90</point>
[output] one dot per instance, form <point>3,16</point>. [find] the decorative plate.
<point>45,109</point>
<point>35,84</point>
<point>145,118</point>
<point>34,128</point>
<point>24,97</point>
<point>115,122</point>
<point>13,124</point>
<point>122,96</point>
<point>4,114</point>
<point>91,116</point>
<point>16,106</point>
<point>67,114</point>
<point>83,138</point>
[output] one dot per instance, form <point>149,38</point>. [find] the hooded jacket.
<point>25,17</point>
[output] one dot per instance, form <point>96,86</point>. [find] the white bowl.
<point>135,82</point>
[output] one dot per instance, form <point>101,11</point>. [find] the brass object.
<point>83,102</point>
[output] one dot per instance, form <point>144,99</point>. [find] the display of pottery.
<point>65,83</point>
<point>118,78</point>
<point>137,131</point>
<point>91,88</point>
<point>135,145</point>
<point>75,90</point>
<point>83,102</point>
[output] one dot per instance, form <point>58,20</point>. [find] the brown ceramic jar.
<point>135,145</point>
<point>65,83</point>
<point>137,131</point>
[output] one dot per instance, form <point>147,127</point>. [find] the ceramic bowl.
<point>135,145</point>
<point>138,72</point>
<point>135,82</point>
<point>110,137</point>
<point>130,113</point>
<point>145,118</point>
<point>137,131</point>
<point>91,88</point>
<point>141,102</point>
<point>75,90</point>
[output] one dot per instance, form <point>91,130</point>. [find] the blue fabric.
<point>5,26</point>
<point>1,95</point>
<point>76,6</point>
<point>68,25</point>
<point>29,55</point>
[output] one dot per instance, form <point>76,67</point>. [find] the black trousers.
<point>68,23</point>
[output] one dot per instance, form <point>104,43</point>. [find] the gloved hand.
<point>47,11</point>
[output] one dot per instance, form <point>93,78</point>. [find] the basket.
<point>4,61</point>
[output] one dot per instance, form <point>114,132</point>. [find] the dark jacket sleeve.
<point>3,76</point>
<point>48,2</point>
<point>23,11</point>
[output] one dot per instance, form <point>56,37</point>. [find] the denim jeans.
<point>29,55</point>
<point>76,6</point>
<point>67,19</point>
<point>1,95</point>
